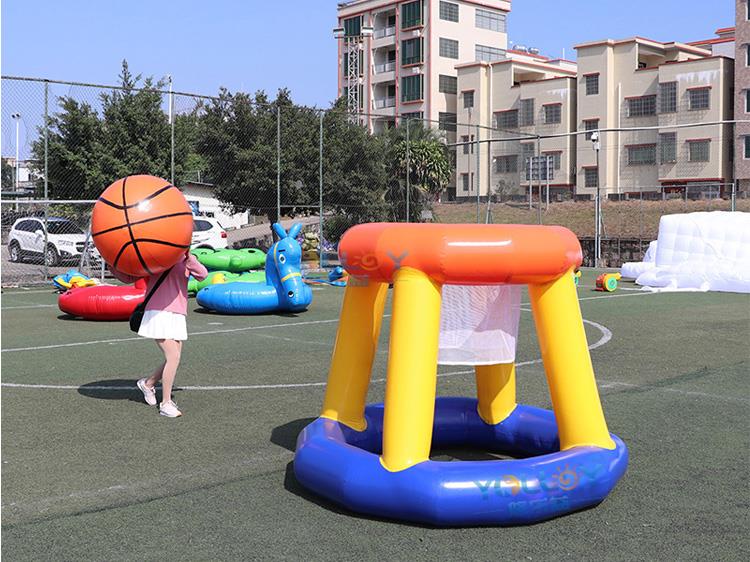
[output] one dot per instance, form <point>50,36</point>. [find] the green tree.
<point>8,175</point>
<point>129,134</point>
<point>238,141</point>
<point>428,165</point>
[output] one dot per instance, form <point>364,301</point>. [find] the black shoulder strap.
<point>156,286</point>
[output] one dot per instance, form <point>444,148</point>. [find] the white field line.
<point>606,337</point>
<point>29,306</point>
<point>204,333</point>
<point>243,329</point>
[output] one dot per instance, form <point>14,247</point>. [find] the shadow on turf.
<point>208,312</point>
<point>71,318</point>
<point>115,389</point>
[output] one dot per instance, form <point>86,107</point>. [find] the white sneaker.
<point>149,394</point>
<point>169,409</point>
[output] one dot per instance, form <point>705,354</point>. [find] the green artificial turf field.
<point>89,472</point>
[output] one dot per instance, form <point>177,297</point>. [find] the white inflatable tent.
<point>699,251</point>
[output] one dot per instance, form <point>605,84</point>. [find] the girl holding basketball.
<point>164,320</point>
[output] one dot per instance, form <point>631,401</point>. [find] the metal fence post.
<point>408,168</point>
<point>278,163</point>
<point>539,174</point>
<point>735,188</point>
<point>478,175</point>
<point>171,125</point>
<point>46,175</point>
<point>320,194</point>
<point>46,139</point>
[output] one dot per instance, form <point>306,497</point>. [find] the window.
<point>641,154</point>
<point>448,48</point>
<point>667,148</point>
<point>591,177</point>
<point>468,148</point>
<point>507,119</point>
<point>494,21</point>
<point>553,113</point>
<point>667,97</point>
<point>201,226</point>
<point>592,84</point>
<point>641,106</point>
<point>527,151</point>
<point>699,150</point>
<point>63,227</point>
<point>556,158</point>
<point>412,115</point>
<point>699,98</point>
<point>488,54</point>
<point>527,112</point>
<point>747,101</point>
<point>590,125</point>
<point>466,181</point>
<point>747,146</point>
<point>411,88</point>
<point>353,26</point>
<point>468,99</point>
<point>506,164</point>
<point>448,11</point>
<point>447,121</point>
<point>747,55</point>
<point>411,14</point>
<point>447,84</point>
<point>411,51</point>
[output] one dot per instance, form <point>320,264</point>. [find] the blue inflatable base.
<point>343,465</point>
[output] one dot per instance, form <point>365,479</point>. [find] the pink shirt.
<point>172,293</point>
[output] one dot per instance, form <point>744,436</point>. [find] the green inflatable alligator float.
<point>216,277</point>
<point>234,261</point>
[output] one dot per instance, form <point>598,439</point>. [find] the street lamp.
<point>597,203</point>
<point>17,118</point>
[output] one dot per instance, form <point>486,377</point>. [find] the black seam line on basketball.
<point>162,242</point>
<point>170,215</point>
<point>124,206</point>
<point>119,254</point>
<point>130,230</point>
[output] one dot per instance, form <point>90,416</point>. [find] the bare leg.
<point>172,350</point>
<point>156,376</point>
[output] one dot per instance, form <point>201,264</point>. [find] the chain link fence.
<point>246,161</point>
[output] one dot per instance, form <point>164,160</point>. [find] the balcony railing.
<point>385,32</point>
<point>385,67</point>
<point>382,103</point>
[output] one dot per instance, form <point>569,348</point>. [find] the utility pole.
<point>597,203</point>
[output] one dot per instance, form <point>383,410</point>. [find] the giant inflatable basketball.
<point>142,225</point>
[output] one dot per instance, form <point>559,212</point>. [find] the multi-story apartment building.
<point>638,82</point>
<point>742,94</point>
<point>407,61</point>
<point>509,102</point>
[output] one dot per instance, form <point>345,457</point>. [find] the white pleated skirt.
<point>163,325</point>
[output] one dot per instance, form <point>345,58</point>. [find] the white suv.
<point>65,240</point>
<point>208,233</point>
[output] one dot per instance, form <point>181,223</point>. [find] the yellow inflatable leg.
<point>567,363</point>
<point>496,391</point>
<point>353,353</point>
<point>412,370</point>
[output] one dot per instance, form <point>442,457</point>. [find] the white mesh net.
<point>479,324</point>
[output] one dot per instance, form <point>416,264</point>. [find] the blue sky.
<point>253,44</point>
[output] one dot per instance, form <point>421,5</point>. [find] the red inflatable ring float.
<point>103,302</point>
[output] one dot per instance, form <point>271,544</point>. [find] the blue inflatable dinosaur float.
<point>283,291</point>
